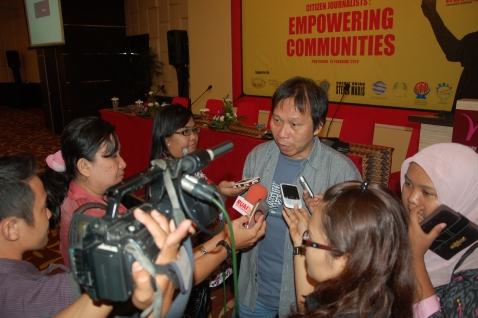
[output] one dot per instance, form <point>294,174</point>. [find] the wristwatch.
<point>226,246</point>
<point>298,250</point>
<point>203,249</point>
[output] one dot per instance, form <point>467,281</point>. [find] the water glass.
<point>115,102</point>
<point>139,106</point>
<point>261,128</point>
<point>204,113</point>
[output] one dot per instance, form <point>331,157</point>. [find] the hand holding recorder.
<point>247,182</point>
<point>311,200</point>
<point>231,188</point>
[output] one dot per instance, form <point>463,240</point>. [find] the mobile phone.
<point>260,208</point>
<point>458,234</point>
<point>247,182</point>
<point>306,186</point>
<point>290,195</point>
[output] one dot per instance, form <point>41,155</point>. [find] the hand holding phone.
<point>290,195</point>
<point>247,182</point>
<point>306,186</point>
<point>458,234</point>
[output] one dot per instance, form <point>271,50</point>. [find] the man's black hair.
<point>306,93</point>
<point>16,197</point>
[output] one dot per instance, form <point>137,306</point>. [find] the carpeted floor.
<point>24,131</point>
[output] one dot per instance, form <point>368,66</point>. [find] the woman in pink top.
<point>88,164</point>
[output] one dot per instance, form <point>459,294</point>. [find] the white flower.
<point>228,115</point>
<point>150,104</point>
<point>150,93</point>
<point>156,104</point>
<point>221,118</point>
<point>228,100</point>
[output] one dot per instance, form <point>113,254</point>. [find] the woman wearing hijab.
<point>440,174</point>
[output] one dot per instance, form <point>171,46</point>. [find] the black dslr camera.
<point>99,247</point>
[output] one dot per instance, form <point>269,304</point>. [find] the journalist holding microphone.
<point>174,135</point>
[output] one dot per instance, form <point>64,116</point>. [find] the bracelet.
<point>226,246</point>
<point>203,249</point>
<point>298,250</point>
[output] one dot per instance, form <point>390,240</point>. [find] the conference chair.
<point>358,129</point>
<point>268,124</point>
<point>214,106</point>
<point>250,110</point>
<point>181,101</point>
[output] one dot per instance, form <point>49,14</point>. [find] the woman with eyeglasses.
<point>352,256</point>
<point>174,135</point>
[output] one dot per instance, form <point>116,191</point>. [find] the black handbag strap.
<point>464,256</point>
<point>90,205</point>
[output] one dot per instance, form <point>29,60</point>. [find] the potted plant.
<point>226,116</point>
<point>148,68</point>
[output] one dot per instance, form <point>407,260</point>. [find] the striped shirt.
<point>25,292</point>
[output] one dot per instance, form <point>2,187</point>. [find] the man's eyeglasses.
<point>188,132</point>
<point>307,242</point>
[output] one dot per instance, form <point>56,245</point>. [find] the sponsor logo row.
<point>379,89</point>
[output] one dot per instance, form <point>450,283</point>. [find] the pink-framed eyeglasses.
<point>307,242</point>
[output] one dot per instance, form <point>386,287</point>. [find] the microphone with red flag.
<point>253,204</point>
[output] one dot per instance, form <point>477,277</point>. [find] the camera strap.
<point>179,273</point>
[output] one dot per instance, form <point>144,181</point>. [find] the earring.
<point>168,145</point>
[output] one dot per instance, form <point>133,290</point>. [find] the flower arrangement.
<point>226,116</point>
<point>151,104</point>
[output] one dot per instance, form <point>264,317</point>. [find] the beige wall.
<point>14,36</point>
<point>210,50</point>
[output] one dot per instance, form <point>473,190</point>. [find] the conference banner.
<point>407,53</point>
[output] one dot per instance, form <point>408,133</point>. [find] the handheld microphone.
<point>254,195</point>
<point>198,188</point>
<point>208,88</point>
<point>200,158</point>
<point>256,192</point>
<point>334,142</point>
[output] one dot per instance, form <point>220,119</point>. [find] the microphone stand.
<point>208,88</point>
<point>333,142</point>
<point>238,97</point>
